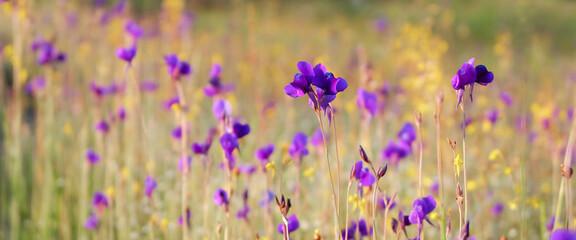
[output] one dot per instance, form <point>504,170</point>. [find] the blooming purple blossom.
<point>382,203</point>
<point>221,109</point>
<point>298,147</point>
<point>177,132</point>
<point>240,130</point>
<point>395,151</point>
<point>422,207</point>
<point>229,142</point>
<point>492,116</point>
<point>46,52</point>
<point>506,98</point>
<point>563,234</point>
<point>149,185</point>
<point>36,85</point>
<point>92,222</point>
<point>497,208</point>
<point>381,24</point>
<point>267,199</point>
<point>127,53</point>
<point>293,224</point>
<point>92,157</point>
<point>407,134</point>
<point>148,86</point>
<point>134,30</point>
<point>363,228</point>
<point>176,67</point>
<point>121,113</point>
<point>100,201</point>
<point>351,231</point>
<point>102,126</point>
<point>316,139</point>
<point>468,75</point>
<point>246,169</point>
<point>221,197</point>
<point>215,86</point>
<point>263,154</point>
<point>363,175</point>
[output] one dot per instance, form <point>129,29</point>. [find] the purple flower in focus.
<point>177,68</point>
<point>466,75</point>
<point>483,76</point>
<point>563,234</point>
<point>240,130</point>
<point>298,147</point>
<point>302,81</point>
<point>327,82</point>
<point>127,53</point>
<point>221,197</point>
<point>363,175</point>
<point>367,101</point>
<point>293,224</point>
<point>102,126</point>
<point>422,207</point>
<point>36,85</point>
<point>92,157</point>
<point>92,222</point>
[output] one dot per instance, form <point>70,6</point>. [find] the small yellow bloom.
<point>309,172</point>
<point>472,185</point>
<point>434,216</point>
<point>67,129</point>
<point>458,163</point>
<point>507,171</point>
<point>270,167</point>
<point>110,192</point>
<point>495,154</point>
<point>164,224</point>
<point>512,205</point>
<point>125,173</point>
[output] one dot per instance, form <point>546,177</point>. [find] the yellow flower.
<point>495,154</point>
<point>472,185</point>
<point>309,172</point>
<point>110,192</point>
<point>458,163</point>
<point>125,172</point>
<point>270,167</point>
<point>164,224</point>
<point>67,129</point>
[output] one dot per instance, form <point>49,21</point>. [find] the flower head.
<point>221,109</point>
<point>395,151</point>
<point>221,197</point>
<point>100,201</point>
<point>133,29</point>
<point>46,52</point>
<point>150,185</point>
<point>298,147</point>
<point>229,142</point>
<point>215,85</point>
<point>176,67</point>
<point>102,126</point>
<point>421,208</point>
<point>240,130</point>
<point>351,231</point>
<point>127,53</point>
<point>367,101</point>
<point>293,224</point>
<point>92,222</point>
<point>263,154</point>
<point>363,175</point>
<point>563,234</point>
<point>407,134</point>
<point>302,81</point>
<point>92,157</point>
<point>363,228</point>
<point>36,85</point>
<point>181,162</point>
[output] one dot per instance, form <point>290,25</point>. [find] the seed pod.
<point>363,155</point>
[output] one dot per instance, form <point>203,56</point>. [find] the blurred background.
<point>403,51</point>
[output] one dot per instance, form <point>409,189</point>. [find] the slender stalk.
<point>387,209</point>
<point>439,101</point>
<point>375,234</point>
<point>418,120</point>
<point>464,161</point>
<point>338,178</point>
<point>347,197</point>
<point>567,172</point>
<point>183,156</point>
<point>329,173</point>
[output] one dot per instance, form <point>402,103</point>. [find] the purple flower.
<point>220,197</point>
<point>381,24</point>
<point>263,154</point>
<point>293,224</point>
<point>327,82</point>
<point>316,139</point>
<point>422,207</point>
<point>121,113</point>
<point>302,81</point>
<point>215,86</point>
<point>221,109</point>
<point>492,116</point>
<point>46,52</point>
<point>298,147</point>
<point>407,134</point>
<point>396,151</point>
<point>483,76</point>
<point>102,126</point>
<point>229,142</point>
<point>168,103</point>
<point>363,228</point>
<point>550,224</point>
<point>36,85</point>
<point>149,185</point>
<point>181,163</point>
<point>351,231</point>
<point>201,148</point>
<point>127,53</point>
<point>506,98</point>
<point>240,130</point>
<point>246,169</point>
<point>92,157</point>
<point>99,201</point>
<point>243,213</point>
<point>188,215</point>
<point>363,175</point>
<point>367,101</point>
<point>177,132</point>
<point>92,222</point>
<point>148,86</point>
<point>466,75</point>
<point>382,203</point>
<point>267,199</point>
<point>177,68</point>
<point>563,234</point>
<point>497,208</point>
<point>134,30</point>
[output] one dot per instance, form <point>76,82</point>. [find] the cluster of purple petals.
<point>215,86</point>
<point>298,148</point>
<point>176,67</point>
<point>361,227</point>
<point>46,53</point>
<point>293,224</point>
